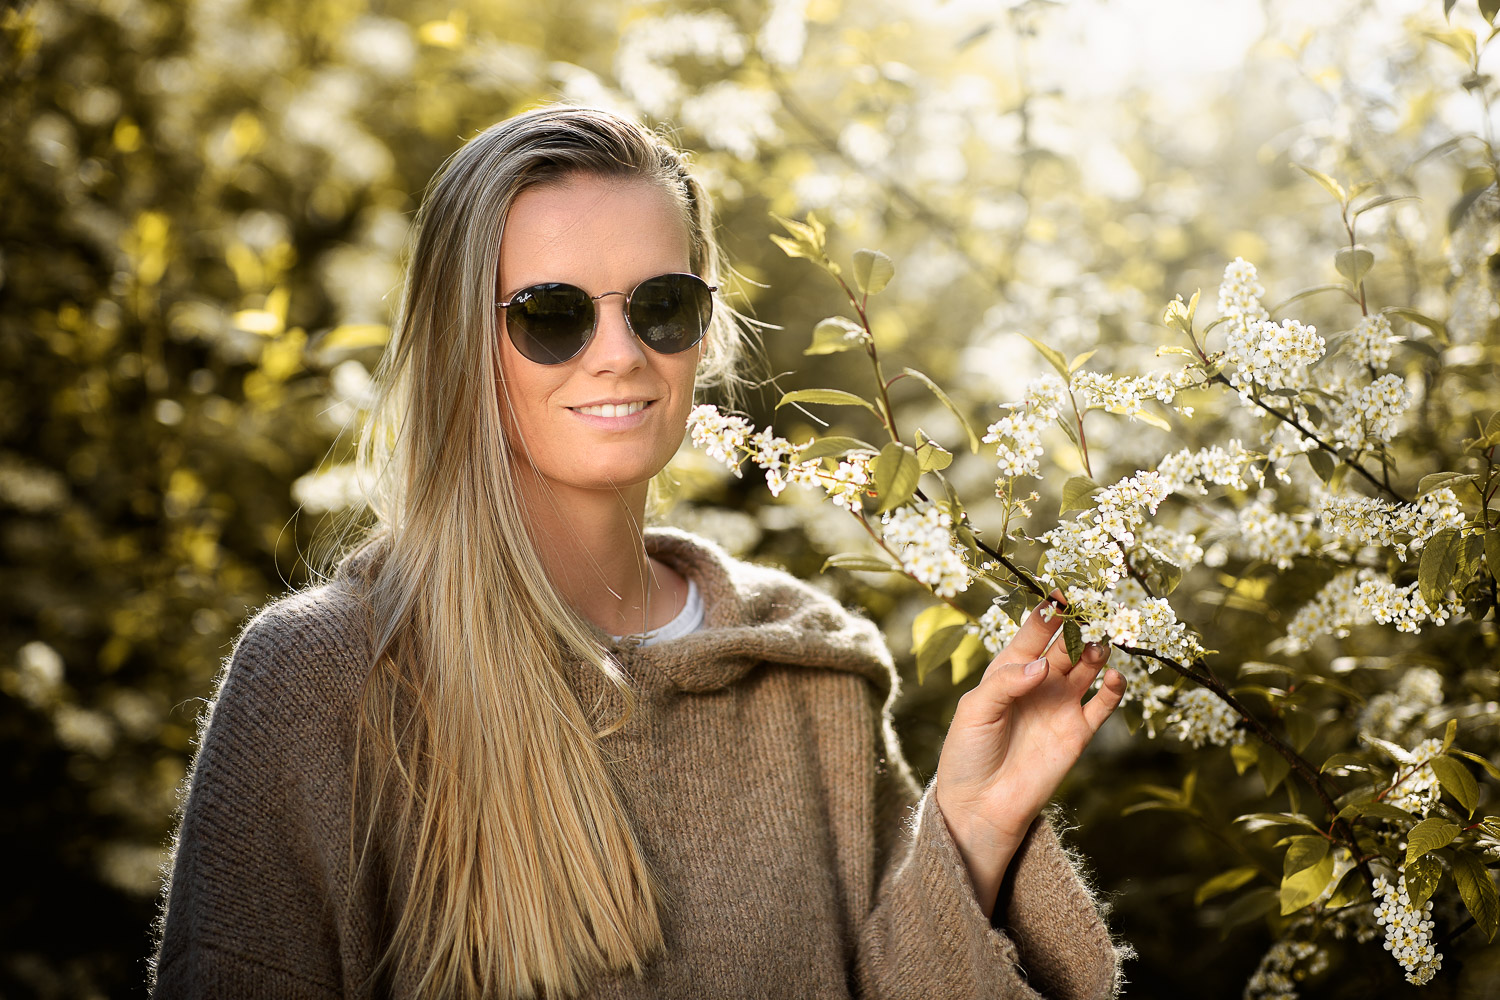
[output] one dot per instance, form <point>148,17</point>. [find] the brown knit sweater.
<point>764,780</point>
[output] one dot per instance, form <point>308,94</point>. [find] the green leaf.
<point>938,649</point>
<point>1432,834</point>
<point>1330,185</point>
<point>832,336</point>
<point>1303,888</point>
<point>1379,810</point>
<point>1053,357</point>
<point>1322,463</point>
<point>1492,551</point>
<point>872,270</point>
<point>833,445</point>
<point>1073,639</point>
<point>1255,822</point>
<point>1438,327</point>
<point>1304,851</point>
<point>866,564</point>
<point>930,620</point>
<point>1488,9</point>
<point>1383,200</point>
<point>1351,889</point>
<point>1243,755</point>
<point>897,471</point>
<point>1438,565</point>
<point>793,248</point>
<point>832,397</point>
<point>1477,889</point>
<point>1145,417</point>
<point>969,657</point>
<point>1224,882</point>
<point>1456,781</point>
<point>1273,767</point>
<point>1438,480</point>
<point>953,409</point>
<point>1076,493</point>
<point>1494,771</point>
<point>933,456</point>
<point>1345,762</point>
<point>1166,349</point>
<point>1354,262</point>
<point>1306,293</point>
<point>1450,734</point>
<point>1422,878</point>
<point>1079,360</point>
<point>1301,727</point>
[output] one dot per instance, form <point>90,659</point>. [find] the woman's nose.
<point>614,348</point>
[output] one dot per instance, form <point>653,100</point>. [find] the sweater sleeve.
<point>927,936</point>
<point>246,910</point>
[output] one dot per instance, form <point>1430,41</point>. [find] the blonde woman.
<point>518,746</point>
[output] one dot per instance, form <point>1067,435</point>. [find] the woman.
<point>518,746</point>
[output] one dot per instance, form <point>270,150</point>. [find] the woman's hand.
<point>1012,739</point>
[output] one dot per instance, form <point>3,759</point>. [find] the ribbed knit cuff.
<point>954,904</point>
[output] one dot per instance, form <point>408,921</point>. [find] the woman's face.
<point>602,235</point>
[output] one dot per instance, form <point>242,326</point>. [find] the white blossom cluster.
<point>995,629</point>
<point>1239,295</point>
<point>1199,716</point>
<point>1258,351</point>
<point>1360,597</point>
<point>1125,615</point>
<point>1408,931</point>
<point>1176,547</point>
<point>923,540</point>
<point>728,439</point>
<point>850,481</point>
<point>722,435</point>
<point>1277,975</point>
<point>1372,342</point>
<point>1272,355</point>
<point>1370,414</point>
<point>1418,789</point>
<point>1191,471</point>
<point>1390,714</point>
<point>1017,437</point>
<point>1263,533</point>
<point>1372,521</point>
<point>1127,394</point>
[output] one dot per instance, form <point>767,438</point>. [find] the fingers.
<point>1036,631</point>
<point>1006,683</point>
<point>1104,702</point>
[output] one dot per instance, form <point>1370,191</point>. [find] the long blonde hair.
<point>479,776</point>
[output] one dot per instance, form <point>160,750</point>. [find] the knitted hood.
<point>752,614</point>
<point>757,614</point>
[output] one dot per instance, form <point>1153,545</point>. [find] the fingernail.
<point>1093,651</point>
<point>1035,666</point>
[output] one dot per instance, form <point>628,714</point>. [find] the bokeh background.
<point>203,208</point>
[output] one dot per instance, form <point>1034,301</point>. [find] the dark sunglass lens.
<point>549,323</point>
<point>671,311</point>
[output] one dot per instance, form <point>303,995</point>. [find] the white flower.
<point>1371,521</point>
<point>1263,533</point>
<point>995,628</point>
<point>1239,295</point>
<point>723,436</point>
<point>1127,395</point>
<point>1199,716</point>
<point>1372,414</point>
<point>1017,437</point>
<point>1408,931</point>
<point>923,540</point>
<point>1373,341</point>
<point>1419,789</point>
<point>1271,355</point>
<point>1277,975</point>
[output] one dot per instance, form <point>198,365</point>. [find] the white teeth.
<point>613,409</point>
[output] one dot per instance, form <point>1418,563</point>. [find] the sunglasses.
<point>552,322</point>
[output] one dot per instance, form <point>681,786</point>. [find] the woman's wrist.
<point>986,850</point>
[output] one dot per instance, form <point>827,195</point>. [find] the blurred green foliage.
<point>202,212</point>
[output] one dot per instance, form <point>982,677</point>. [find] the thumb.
<point>1004,683</point>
